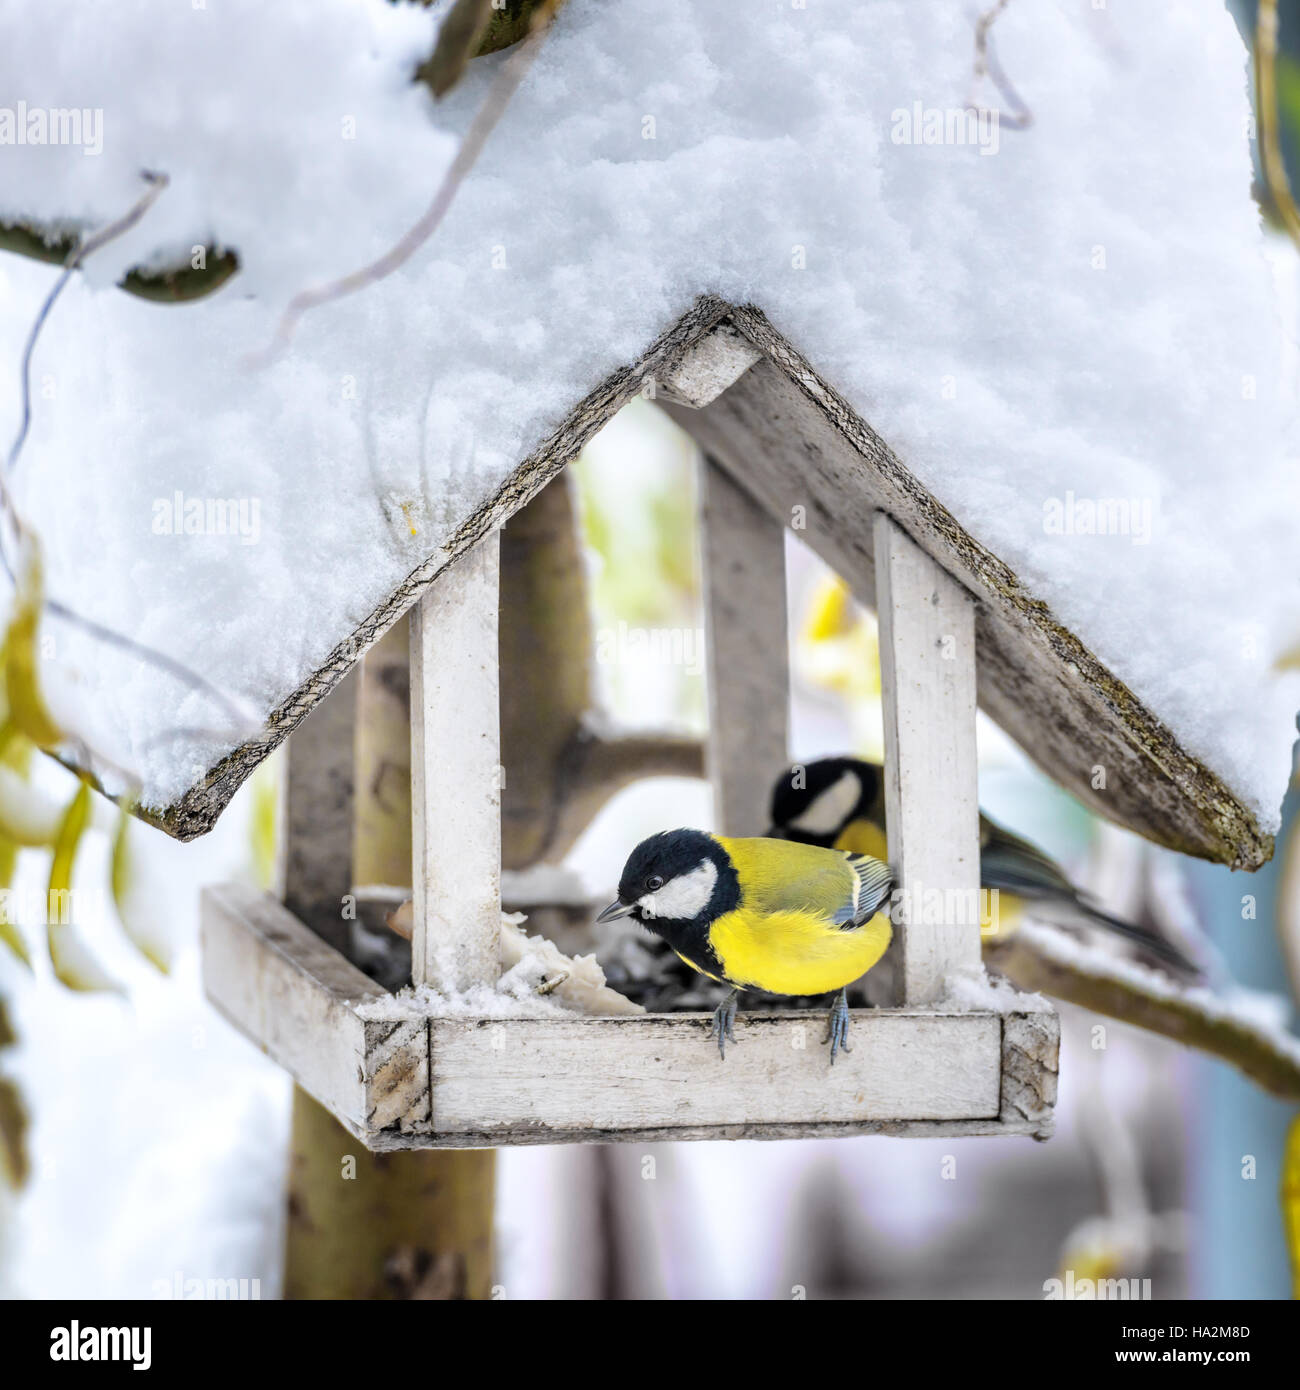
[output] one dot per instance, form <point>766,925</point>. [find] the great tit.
<point>840,802</point>
<point>764,914</point>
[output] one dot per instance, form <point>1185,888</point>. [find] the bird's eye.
<point>654,883</point>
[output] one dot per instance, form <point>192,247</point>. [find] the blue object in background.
<point>1240,1247</point>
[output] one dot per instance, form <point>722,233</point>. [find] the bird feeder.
<point>956,626</point>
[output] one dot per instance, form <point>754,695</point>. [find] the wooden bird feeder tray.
<point>776,438</point>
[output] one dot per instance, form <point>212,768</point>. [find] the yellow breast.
<point>1003,921</point>
<point>795,952</point>
<point>863,837</point>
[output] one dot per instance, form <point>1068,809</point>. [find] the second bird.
<point>841,802</point>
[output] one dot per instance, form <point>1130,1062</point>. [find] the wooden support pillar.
<point>383,763</point>
<point>927,670</point>
<point>456,774</point>
<point>318,814</point>
<point>748,650</point>
<point>363,1225</point>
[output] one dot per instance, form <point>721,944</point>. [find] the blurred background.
<point>157,1138</point>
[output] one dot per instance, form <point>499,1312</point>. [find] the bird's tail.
<point>1164,950</point>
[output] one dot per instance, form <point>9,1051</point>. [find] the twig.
<point>503,88</point>
<point>1270,145</point>
<point>987,65</point>
<point>1040,958</point>
<point>157,184</point>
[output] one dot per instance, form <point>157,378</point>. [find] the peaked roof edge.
<point>781,422</point>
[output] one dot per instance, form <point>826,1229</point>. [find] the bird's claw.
<point>724,1019</point>
<point>837,1031</point>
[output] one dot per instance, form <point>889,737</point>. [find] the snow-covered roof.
<point>1033,321</point>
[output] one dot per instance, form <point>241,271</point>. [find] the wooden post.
<point>363,1225</point>
<point>748,654</point>
<point>383,762</point>
<point>456,774</point>
<point>927,670</point>
<point>318,814</point>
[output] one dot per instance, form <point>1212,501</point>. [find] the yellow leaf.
<point>74,965</point>
<point>830,612</point>
<point>144,936</point>
<point>266,801</point>
<point>1091,1261</point>
<point>27,815</point>
<point>9,933</point>
<point>13,939</point>
<point>15,751</point>
<point>13,1134</point>
<point>1291,1201</point>
<point>22,688</point>
<point>458,40</point>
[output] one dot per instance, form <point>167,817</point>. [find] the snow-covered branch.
<point>1241,1028</point>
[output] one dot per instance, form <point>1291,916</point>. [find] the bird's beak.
<point>615,909</point>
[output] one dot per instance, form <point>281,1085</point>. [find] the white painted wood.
<point>927,672</point>
<point>513,1074</point>
<point>366,1057</point>
<point>708,368</point>
<point>456,774</point>
<point>743,550</point>
<point>318,813</point>
<point>297,999</point>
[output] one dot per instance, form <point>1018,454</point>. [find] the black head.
<point>813,802</point>
<point>677,876</point>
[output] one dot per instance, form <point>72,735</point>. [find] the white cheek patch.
<point>683,897</point>
<point>829,810</point>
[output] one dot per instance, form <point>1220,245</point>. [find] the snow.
<point>1072,313</point>
<point>551,884</point>
<point>537,981</point>
<point>972,990</point>
<point>1264,1015</point>
<point>159,1133</point>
